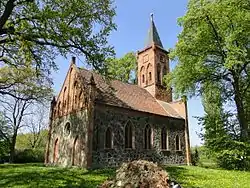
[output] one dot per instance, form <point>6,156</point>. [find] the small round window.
<point>67,129</point>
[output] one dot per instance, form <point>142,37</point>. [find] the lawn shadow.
<point>31,176</point>
<point>181,175</point>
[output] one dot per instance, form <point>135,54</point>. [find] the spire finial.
<point>152,16</point>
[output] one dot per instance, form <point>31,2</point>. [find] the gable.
<point>72,95</point>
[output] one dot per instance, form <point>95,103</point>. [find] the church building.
<point>100,123</point>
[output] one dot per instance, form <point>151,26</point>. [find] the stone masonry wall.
<point>71,142</point>
<point>116,118</point>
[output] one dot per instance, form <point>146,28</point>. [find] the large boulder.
<point>139,174</point>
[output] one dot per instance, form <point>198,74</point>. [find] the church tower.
<point>153,64</point>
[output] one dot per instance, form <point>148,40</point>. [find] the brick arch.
<point>56,151</point>
<point>148,137</point>
<point>159,74</point>
<point>149,73</point>
<point>108,138</point>
<point>142,76</point>
<point>76,152</point>
<point>129,135</point>
<point>164,138</point>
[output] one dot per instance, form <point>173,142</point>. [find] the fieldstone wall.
<point>71,141</point>
<point>117,118</point>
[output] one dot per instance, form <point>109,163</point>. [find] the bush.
<point>235,157</point>
<point>29,156</point>
<point>195,157</point>
<point>233,160</point>
<point>4,151</point>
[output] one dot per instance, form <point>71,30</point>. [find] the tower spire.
<point>153,36</point>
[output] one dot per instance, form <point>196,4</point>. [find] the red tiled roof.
<point>125,95</point>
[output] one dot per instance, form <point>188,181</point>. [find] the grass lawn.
<point>36,175</point>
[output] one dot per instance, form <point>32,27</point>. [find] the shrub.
<point>195,157</point>
<point>29,156</point>
<point>233,160</point>
<point>235,157</point>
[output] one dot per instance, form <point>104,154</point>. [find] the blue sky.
<point>133,19</point>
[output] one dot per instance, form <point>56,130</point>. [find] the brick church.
<point>99,123</point>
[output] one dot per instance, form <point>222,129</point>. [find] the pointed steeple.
<point>153,36</point>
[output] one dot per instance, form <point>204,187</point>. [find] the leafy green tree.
<point>213,47</point>
<point>4,145</point>
<point>123,69</point>
<point>34,32</point>
<point>16,107</point>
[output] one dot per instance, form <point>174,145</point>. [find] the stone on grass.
<point>138,174</point>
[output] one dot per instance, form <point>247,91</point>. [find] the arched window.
<point>163,138</point>
<point>177,143</point>
<point>56,151</point>
<point>108,138</point>
<point>150,76</point>
<point>159,73</point>
<point>149,73</point>
<point>59,108</point>
<point>164,71</point>
<point>80,99</point>
<point>67,129</point>
<point>147,137</point>
<point>128,135</point>
<point>142,73</point>
<point>64,101</point>
<point>76,152</point>
<point>75,95</point>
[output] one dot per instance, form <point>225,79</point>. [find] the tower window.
<point>150,76</point>
<point>143,78</point>
<point>159,76</point>
<point>162,59</point>
<point>145,58</point>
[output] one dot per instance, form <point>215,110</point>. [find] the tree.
<point>37,124</point>
<point>4,146</point>
<point>35,32</point>
<point>214,48</point>
<point>16,106</point>
<point>123,69</point>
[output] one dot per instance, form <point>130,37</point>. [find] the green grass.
<point>36,175</point>
<point>194,177</point>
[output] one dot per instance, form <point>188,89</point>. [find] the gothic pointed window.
<point>108,138</point>
<point>150,76</point>
<point>75,95</point>
<point>177,143</point>
<point>159,73</point>
<point>56,151</point>
<point>147,137</point>
<point>142,75</point>
<point>59,108</point>
<point>163,138</point>
<point>128,135</point>
<point>76,155</point>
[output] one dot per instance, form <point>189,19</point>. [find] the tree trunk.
<point>12,147</point>
<point>240,110</point>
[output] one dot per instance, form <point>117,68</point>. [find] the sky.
<point>133,20</point>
